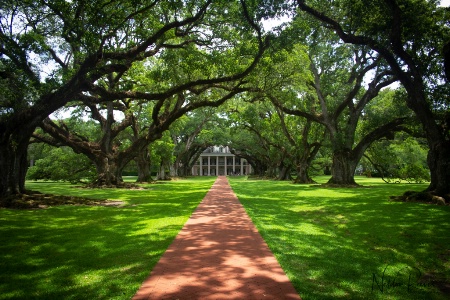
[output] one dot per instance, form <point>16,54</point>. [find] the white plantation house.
<point>218,160</point>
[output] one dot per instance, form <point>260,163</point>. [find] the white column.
<point>201,166</point>
<point>217,165</point>
<point>226,171</point>
<point>234,164</point>
<point>242,166</point>
<point>209,165</point>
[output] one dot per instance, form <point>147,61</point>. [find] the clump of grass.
<point>92,252</point>
<point>352,243</point>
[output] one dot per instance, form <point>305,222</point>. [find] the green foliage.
<point>411,160</point>
<point>322,163</point>
<point>401,159</point>
<point>16,93</point>
<point>388,105</point>
<point>62,164</point>
<point>284,78</point>
<point>83,127</point>
<point>162,150</point>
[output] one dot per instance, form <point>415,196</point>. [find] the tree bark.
<point>343,168</point>
<point>143,166</point>
<point>439,163</point>
<point>186,160</point>
<point>302,174</point>
<point>13,166</point>
<point>259,169</point>
<point>284,173</point>
<point>13,158</point>
<point>173,170</point>
<point>162,172</point>
<point>108,172</point>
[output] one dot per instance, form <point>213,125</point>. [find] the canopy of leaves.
<point>62,164</point>
<point>403,159</point>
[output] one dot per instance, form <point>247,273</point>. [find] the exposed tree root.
<point>36,200</point>
<point>336,185</point>
<point>424,197</point>
<point>310,181</point>
<point>122,185</point>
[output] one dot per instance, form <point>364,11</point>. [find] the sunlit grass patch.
<point>336,242</point>
<point>92,252</point>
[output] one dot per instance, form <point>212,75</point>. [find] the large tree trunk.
<point>439,164</point>
<point>187,161</point>
<point>13,167</point>
<point>187,168</point>
<point>108,172</point>
<point>173,170</point>
<point>162,174</point>
<point>271,172</point>
<point>284,173</point>
<point>184,171</point>
<point>143,166</point>
<point>343,168</point>
<point>258,168</point>
<point>302,174</point>
<point>439,146</point>
<point>346,159</point>
<point>303,161</point>
<point>13,162</point>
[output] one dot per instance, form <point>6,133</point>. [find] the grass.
<point>92,252</point>
<point>332,242</point>
<point>343,243</point>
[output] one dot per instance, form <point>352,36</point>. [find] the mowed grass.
<point>86,252</point>
<point>347,243</point>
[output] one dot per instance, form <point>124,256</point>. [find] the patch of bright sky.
<point>271,24</point>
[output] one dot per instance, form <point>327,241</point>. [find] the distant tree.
<point>290,143</point>
<point>103,148</point>
<point>193,134</point>
<point>286,79</point>
<point>343,81</point>
<point>62,164</point>
<point>247,121</point>
<point>402,159</point>
<point>162,156</point>
<point>249,146</point>
<point>410,36</point>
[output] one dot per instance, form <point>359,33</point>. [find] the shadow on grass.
<point>338,243</point>
<point>81,252</point>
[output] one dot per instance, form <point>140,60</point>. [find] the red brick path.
<point>218,254</point>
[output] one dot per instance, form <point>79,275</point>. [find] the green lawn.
<point>332,243</point>
<point>85,252</point>
<point>338,242</point>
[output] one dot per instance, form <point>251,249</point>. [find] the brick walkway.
<point>218,254</point>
